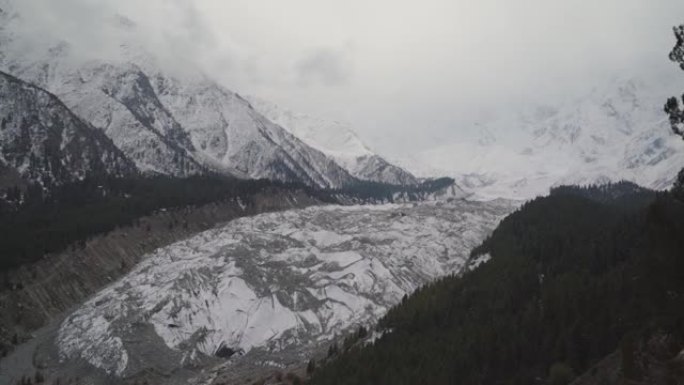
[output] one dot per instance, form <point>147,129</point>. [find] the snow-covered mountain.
<point>271,282</point>
<point>43,142</point>
<point>617,131</point>
<point>175,122</point>
<point>337,140</point>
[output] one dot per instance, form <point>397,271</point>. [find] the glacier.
<point>273,281</point>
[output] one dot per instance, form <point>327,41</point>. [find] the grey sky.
<point>323,66</point>
<point>412,71</point>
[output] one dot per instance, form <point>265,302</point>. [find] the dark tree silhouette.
<point>673,107</point>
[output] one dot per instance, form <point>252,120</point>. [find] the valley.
<point>167,217</point>
<point>264,285</point>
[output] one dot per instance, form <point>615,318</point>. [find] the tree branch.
<point>673,107</point>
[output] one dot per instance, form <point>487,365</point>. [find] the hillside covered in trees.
<point>34,222</point>
<point>572,277</point>
<point>73,213</point>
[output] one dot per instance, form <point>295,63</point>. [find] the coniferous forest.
<point>34,222</point>
<point>72,213</point>
<point>572,278</point>
<point>134,248</point>
<point>585,285</point>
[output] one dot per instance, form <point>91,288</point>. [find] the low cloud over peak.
<point>414,70</point>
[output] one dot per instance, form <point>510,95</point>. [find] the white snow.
<point>337,140</point>
<point>166,119</point>
<point>329,136</point>
<point>278,279</point>
<point>616,131</point>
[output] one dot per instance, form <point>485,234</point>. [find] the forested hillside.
<point>73,213</point>
<point>571,279</point>
<point>34,222</point>
<point>376,192</point>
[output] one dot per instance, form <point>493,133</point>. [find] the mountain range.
<point>43,142</point>
<point>182,277</point>
<point>337,140</point>
<point>174,122</point>
<point>181,122</point>
<point>268,286</point>
<point>615,131</point>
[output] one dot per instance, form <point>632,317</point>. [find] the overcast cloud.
<point>323,66</point>
<point>411,71</point>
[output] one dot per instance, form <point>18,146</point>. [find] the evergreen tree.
<point>560,374</point>
<point>673,107</point>
<point>570,276</point>
<point>311,367</point>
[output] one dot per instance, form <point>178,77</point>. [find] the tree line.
<point>35,221</point>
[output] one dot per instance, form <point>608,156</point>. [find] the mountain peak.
<point>615,131</point>
<point>168,117</point>
<point>43,142</point>
<point>328,136</point>
<point>337,140</point>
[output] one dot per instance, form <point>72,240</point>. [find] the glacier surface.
<point>273,281</point>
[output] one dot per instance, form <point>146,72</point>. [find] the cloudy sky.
<point>415,72</point>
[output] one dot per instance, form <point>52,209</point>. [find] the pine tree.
<point>333,350</point>
<point>362,333</point>
<point>311,367</point>
<point>673,107</point>
<point>560,374</point>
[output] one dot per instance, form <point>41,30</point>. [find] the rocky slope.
<point>174,122</point>
<point>336,140</point>
<point>265,284</point>
<point>616,131</point>
<point>43,142</point>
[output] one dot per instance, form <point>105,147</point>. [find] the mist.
<point>404,74</point>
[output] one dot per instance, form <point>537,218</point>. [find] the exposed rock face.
<point>120,100</point>
<point>230,135</point>
<point>42,141</point>
<point>375,168</point>
<point>338,141</point>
